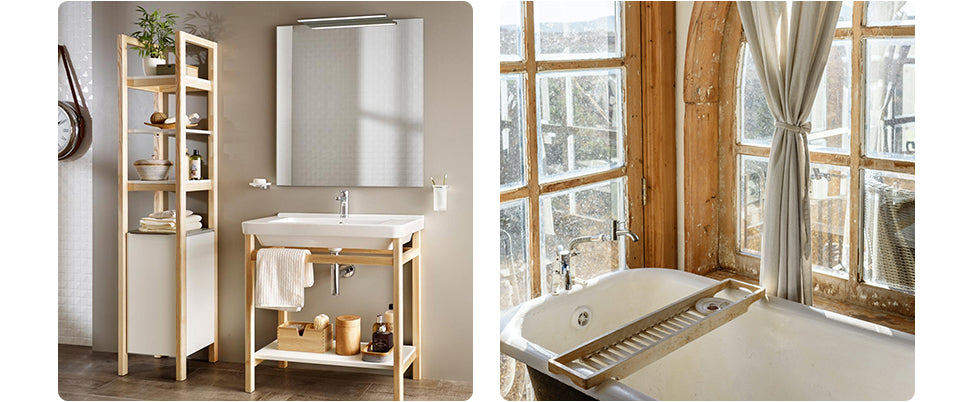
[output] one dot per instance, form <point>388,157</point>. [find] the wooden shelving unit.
<point>403,356</point>
<point>162,87</point>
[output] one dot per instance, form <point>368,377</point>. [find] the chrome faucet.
<point>344,198</point>
<point>566,252</point>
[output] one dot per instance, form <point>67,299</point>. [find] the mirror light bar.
<point>347,22</point>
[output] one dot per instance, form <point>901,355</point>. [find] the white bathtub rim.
<point>535,356</point>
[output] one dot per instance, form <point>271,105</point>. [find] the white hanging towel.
<point>281,275</point>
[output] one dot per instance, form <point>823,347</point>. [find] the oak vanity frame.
<point>396,257</point>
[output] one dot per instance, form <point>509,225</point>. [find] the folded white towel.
<point>281,275</point>
<point>156,228</point>
<point>166,221</point>
<point>166,214</point>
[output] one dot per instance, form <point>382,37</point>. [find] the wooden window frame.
<point>649,164</point>
<point>710,94</point>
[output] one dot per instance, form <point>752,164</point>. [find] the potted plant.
<point>155,35</point>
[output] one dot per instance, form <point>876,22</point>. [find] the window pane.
<point>830,112</point>
<point>512,132</point>
<point>829,210</point>
<point>514,282</point>
<point>577,30</point>
<point>751,185</point>
<point>582,211</point>
<point>580,117</point>
<point>889,230</point>
<point>755,121</point>
<point>890,13</point>
<point>831,115</point>
<point>890,76</point>
<point>845,15</point>
<point>511,34</point>
<point>514,252</point>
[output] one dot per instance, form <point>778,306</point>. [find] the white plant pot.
<point>149,64</point>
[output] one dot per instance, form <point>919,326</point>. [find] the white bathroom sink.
<point>359,231</point>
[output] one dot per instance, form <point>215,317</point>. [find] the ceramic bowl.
<point>152,169</point>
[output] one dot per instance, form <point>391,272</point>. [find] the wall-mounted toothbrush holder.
<point>440,197</point>
<point>261,184</point>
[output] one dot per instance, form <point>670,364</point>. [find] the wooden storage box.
<point>312,340</point>
<point>375,357</point>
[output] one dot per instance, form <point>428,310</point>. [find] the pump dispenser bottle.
<point>381,340</point>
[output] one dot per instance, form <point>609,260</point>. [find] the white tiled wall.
<point>74,229</point>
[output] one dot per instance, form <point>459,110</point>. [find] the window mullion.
<point>532,150</point>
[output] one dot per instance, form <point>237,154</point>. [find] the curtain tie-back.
<point>805,128</point>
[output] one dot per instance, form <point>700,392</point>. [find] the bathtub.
<point>778,350</point>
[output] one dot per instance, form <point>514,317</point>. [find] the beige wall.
<point>247,102</point>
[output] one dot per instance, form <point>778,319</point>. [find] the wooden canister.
<point>346,333</point>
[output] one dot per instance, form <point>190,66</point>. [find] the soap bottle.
<point>382,339</point>
<point>195,165</point>
<point>389,317</point>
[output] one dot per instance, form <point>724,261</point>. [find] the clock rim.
<point>77,129</point>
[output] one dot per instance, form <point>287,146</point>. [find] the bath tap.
<point>344,198</point>
<point>566,252</point>
<point>617,232</point>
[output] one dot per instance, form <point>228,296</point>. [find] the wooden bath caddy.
<point>641,342</point>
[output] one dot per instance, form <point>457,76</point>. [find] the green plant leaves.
<point>155,33</point>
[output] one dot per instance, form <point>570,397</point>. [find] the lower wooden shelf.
<point>331,358</point>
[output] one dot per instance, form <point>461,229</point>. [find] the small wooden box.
<point>375,357</point>
<point>312,340</point>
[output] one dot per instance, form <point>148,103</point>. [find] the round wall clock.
<point>70,129</point>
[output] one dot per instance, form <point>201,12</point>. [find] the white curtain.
<point>789,51</point>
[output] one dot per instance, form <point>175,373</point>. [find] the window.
<point>862,146</point>
<point>570,145</point>
<point>564,87</point>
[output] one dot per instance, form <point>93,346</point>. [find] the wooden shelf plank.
<point>331,358</point>
<point>170,131</point>
<point>166,83</point>
<point>168,185</point>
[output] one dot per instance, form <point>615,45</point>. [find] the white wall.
<point>246,37</point>
<point>682,11</point>
<point>74,188</point>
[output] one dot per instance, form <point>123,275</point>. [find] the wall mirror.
<point>350,105</point>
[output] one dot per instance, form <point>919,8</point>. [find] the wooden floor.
<point>894,321</point>
<point>86,375</point>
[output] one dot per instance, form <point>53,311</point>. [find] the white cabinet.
<point>151,292</point>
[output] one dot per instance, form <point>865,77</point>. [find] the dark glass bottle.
<point>382,340</point>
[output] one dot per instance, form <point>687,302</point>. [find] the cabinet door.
<point>151,292</point>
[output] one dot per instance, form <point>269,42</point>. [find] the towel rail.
<point>352,256</point>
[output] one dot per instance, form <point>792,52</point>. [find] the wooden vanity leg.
<point>281,317</point>
<point>416,306</point>
<point>398,291</point>
<point>250,363</point>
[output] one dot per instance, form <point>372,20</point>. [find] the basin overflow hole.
<point>581,317</point>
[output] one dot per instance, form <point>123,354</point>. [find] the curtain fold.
<point>789,51</point>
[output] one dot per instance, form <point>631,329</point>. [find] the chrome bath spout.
<point>565,253</point>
